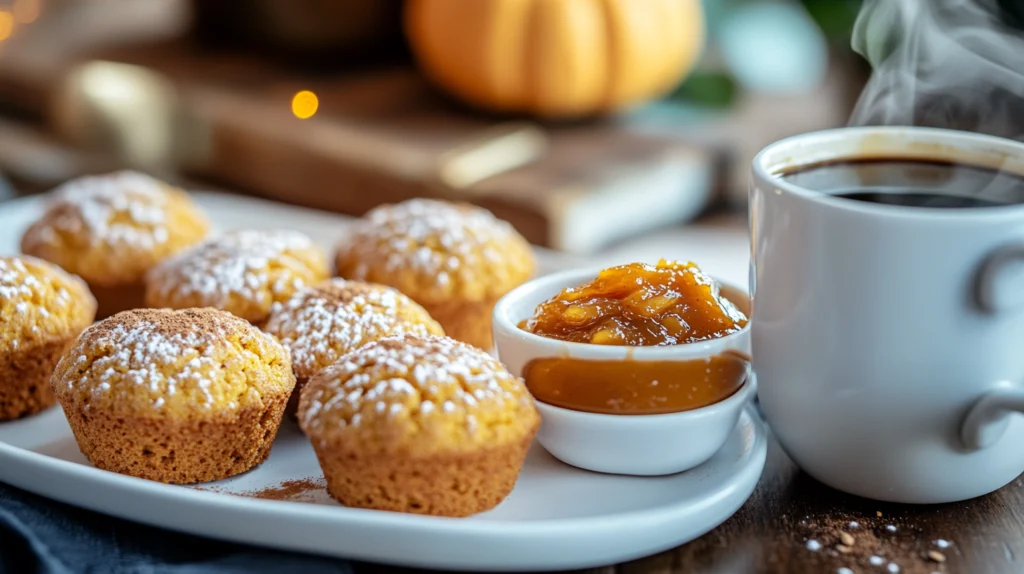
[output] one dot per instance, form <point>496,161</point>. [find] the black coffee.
<point>919,199</point>
<point>931,184</point>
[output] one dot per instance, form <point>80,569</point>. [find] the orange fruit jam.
<point>639,305</point>
<point>635,387</point>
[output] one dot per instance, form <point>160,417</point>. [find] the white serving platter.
<point>558,517</point>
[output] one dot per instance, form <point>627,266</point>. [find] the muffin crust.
<point>319,324</point>
<point>419,424</point>
<point>175,396</point>
<point>455,259</point>
<point>42,311</point>
<point>111,229</point>
<point>243,272</point>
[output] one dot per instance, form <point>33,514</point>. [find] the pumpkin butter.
<point>635,387</point>
<point>638,305</point>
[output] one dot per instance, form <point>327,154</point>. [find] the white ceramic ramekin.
<point>620,443</point>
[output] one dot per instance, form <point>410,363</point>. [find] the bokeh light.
<point>26,11</point>
<point>304,104</point>
<point>6,25</point>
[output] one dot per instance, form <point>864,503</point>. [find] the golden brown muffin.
<point>319,324</point>
<point>425,425</point>
<point>455,259</point>
<point>174,396</point>
<point>111,229</point>
<point>42,311</point>
<point>243,272</point>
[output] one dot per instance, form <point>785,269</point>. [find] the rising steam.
<point>942,63</point>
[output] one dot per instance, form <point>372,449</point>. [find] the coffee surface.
<point>930,184</point>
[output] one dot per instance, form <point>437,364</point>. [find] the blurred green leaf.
<point>835,17</point>
<point>707,88</point>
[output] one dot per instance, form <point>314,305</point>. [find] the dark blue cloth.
<point>38,535</point>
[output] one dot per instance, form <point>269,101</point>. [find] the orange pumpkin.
<point>555,58</point>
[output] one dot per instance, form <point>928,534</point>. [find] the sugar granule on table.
<point>844,570</point>
<point>874,548</point>
<point>942,543</point>
<point>813,545</point>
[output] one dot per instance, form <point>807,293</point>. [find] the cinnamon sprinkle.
<point>297,490</point>
<point>294,490</point>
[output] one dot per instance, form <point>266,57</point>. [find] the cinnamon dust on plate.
<point>299,490</point>
<point>296,490</point>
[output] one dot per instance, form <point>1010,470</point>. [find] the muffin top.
<point>111,229</point>
<point>40,302</point>
<point>416,395</point>
<point>179,364</point>
<point>435,251</point>
<point>319,324</point>
<point>243,272</point>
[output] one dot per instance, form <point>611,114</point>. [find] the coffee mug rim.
<point>763,171</point>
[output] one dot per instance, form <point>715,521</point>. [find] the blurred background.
<point>583,122</point>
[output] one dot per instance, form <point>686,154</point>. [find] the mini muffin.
<point>455,259</point>
<point>319,324</point>
<point>243,272</point>
<point>111,229</point>
<point>174,396</point>
<point>42,311</point>
<point>424,425</point>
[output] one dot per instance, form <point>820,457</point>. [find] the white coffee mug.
<point>889,341</point>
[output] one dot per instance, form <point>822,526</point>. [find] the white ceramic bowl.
<point>620,443</point>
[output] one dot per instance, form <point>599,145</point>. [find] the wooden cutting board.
<point>169,106</point>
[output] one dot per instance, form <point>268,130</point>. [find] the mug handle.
<point>988,418</point>
<point>985,294</point>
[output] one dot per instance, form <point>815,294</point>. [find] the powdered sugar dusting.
<point>413,226</point>
<point>320,324</point>
<point>142,354</point>
<point>122,357</point>
<point>16,283</point>
<point>123,208</point>
<point>31,295</point>
<point>437,240</point>
<point>234,264</point>
<point>416,372</point>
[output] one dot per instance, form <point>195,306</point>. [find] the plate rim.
<point>741,483</point>
<point>44,462</point>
